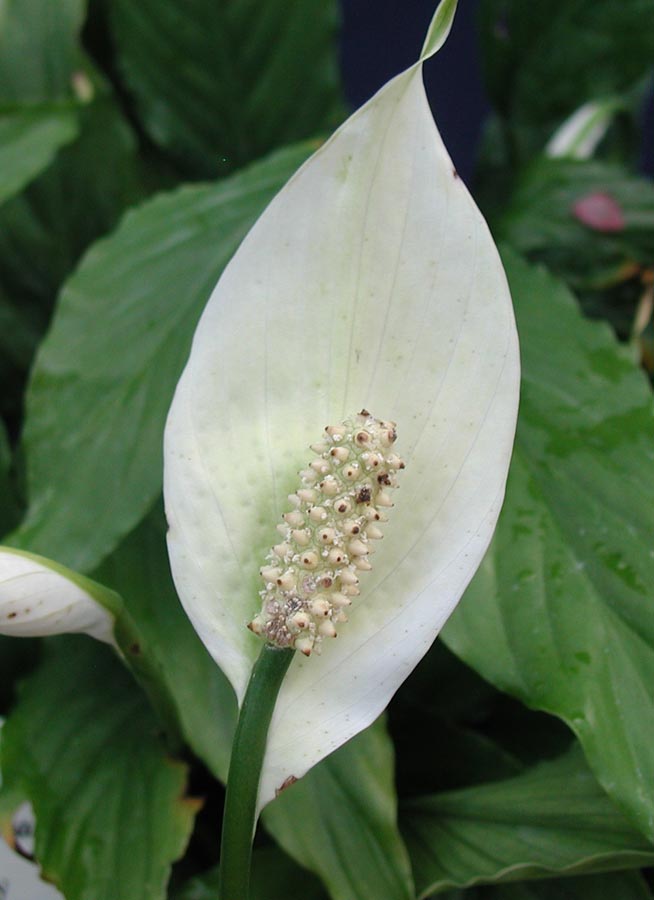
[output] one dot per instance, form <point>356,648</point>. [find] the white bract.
<point>580,134</point>
<point>370,281</point>
<point>39,597</point>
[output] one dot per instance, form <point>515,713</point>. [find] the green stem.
<point>239,817</point>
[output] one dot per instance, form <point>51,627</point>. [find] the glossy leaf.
<point>625,885</point>
<point>28,141</point>
<point>371,280</point>
<point>8,500</point>
<point>274,877</point>
<point>17,659</point>
<point>39,598</point>
<point>340,822</point>
<point>247,79</point>
<point>44,72</point>
<point>104,376</point>
<point>115,833</point>
<point>78,198</point>
<point>438,722</point>
<point>560,612</point>
<point>552,819</point>
<point>39,49</point>
<point>44,230</point>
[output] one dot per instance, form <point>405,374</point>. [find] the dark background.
<point>382,37</point>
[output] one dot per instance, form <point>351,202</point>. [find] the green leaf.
<point>109,805</point>
<point>44,230</point>
<point>274,877</point>
<point>552,819</point>
<point>218,85</point>
<point>476,733</point>
<point>440,706</point>
<point>17,658</point>
<point>39,597</point>
<point>8,503</point>
<point>622,885</point>
<point>458,757</point>
<point>545,60</point>
<point>29,139</point>
<point>203,698</point>
<point>47,101</point>
<point>541,220</point>
<point>20,326</point>
<point>560,612</point>
<point>38,48</point>
<point>339,821</point>
<point>105,375</point>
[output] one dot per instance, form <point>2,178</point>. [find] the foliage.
<point>520,759</point>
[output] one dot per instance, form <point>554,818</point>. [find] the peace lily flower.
<point>38,597</point>
<point>371,281</point>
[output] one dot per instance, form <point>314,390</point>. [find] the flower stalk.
<point>239,817</point>
<point>310,577</point>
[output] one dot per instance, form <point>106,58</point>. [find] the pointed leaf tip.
<point>439,28</point>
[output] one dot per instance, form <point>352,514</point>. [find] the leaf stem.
<point>137,654</point>
<point>239,817</point>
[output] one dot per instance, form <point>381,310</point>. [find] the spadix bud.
<point>270,573</point>
<point>339,453</point>
<point>307,495</point>
<point>337,516</point>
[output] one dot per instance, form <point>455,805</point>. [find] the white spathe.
<point>579,135</point>
<point>37,598</point>
<point>372,281</point>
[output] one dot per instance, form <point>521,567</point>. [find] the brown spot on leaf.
<point>287,783</point>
